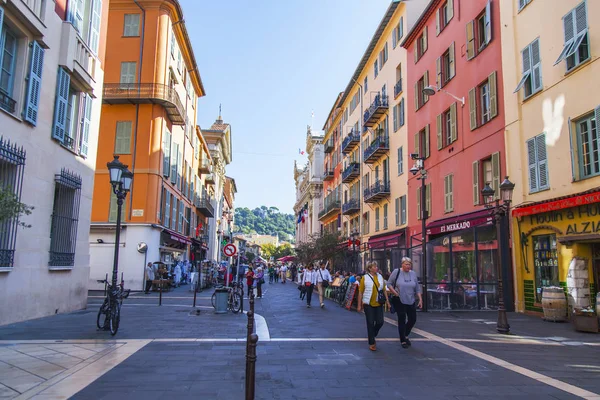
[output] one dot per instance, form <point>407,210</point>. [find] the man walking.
<point>283,273</point>
<point>149,277</point>
<point>323,281</point>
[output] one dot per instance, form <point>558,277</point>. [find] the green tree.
<point>11,207</point>
<point>326,247</point>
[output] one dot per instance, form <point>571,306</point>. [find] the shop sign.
<point>570,202</point>
<point>137,213</point>
<point>584,219</point>
<point>459,226</point>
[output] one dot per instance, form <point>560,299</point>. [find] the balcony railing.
<point>377,191</point>
<point>375,111</point>
<point>378,148</point>
<point>6,103</point>
<point>351,172</point>
<point>205,166</point>
<point>328,146</point>
<point>351,207</point>
<point>35,6</point>
<point>398,88</point>
<point>350,142</point>
<point>144,93</point>
<point>205,207</point>
<point>330,209</point>
<point>210,178</point>
<point>328,175</point>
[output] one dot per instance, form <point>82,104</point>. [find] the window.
<point>588,142</point>
<point>385,216</point>
<point>65,215</point>
<point>366,223</point>
<point>443,15</point>
<point>398,33</point>
<point>167,153</point>
<point>449,193</point>
<point>128,69</point>
<point>131,25</point>
<point>576,49</point>
<point>479,32</point>
<point>401,112</point>
<point>86,17</point>
<point>446,127</point>
<point>421,45</point>
<point>445,67</point>
<point>420,97</point>
<point>34,85</point>
<point>12,164</point>
<point>173,44</point>
<point>174,166</point>
<point>422,142</point>
<point>180,221</point>
<point>179,61</point>
<point>398,112</point>
<point>397,211</point>
<point>402,210</point>
<point>167,208</point>
<point>375,68</point>
<point>483,102</point>
<point>400,161</point>
<point>383,56</point>
<point>377,219</point>
<point>523,3</point>
<point>532,69</point>
<point>486,171</point>
<point>8,54</point>
<point>546,265</point>
<point>427,210</point>
<point>366,84</point>
<point>123,138</point>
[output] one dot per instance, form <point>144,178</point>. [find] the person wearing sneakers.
<point>370,285</point>
<point>323,281</point>
<point>309,278</point>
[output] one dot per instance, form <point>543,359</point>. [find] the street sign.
<point>230,250</point>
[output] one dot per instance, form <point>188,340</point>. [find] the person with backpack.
<point>323,281</point>
<point>371,297</point>
<point>405,289</point>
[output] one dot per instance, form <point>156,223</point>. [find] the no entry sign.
<point>230,250</point>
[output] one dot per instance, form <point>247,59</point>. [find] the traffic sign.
<point>230,250</point>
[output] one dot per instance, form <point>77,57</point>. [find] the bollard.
<point>195,292</point>
<point>250,328</point>
<point>251,366</point>
<point>160,293</point>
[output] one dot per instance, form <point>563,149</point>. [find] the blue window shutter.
<point>85,128</point>
<point>60,106</point>
<point>35,83</point>
<point>94,39</point>
<point>167,154</point>
<point>1,19</point>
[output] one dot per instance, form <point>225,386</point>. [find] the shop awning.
<point>391,240</point>
<point>573,200</point>
<point>177,237</point>
<point>203,245</point>
<point>460,222</point>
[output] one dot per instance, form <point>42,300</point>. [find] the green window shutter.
<point>493,95</point>
<point>95,26</point>
<point>452,66</point>
<point>446,193</point>
<point>532,164</point>
<point>128,70</point>
<point>85,128</point>
<point>450,9</point>
<point>419,213</point>
<point>167,153</point>
<point>174,153</point>
<point>536,62</point>
<point>438,72</point>
<point>569,31</point>
<point>542,159</point>
<point>123,138</point>
<point>473,108</point>
<point>112,208</point>
<point>470,40</point>
<point>63,83</point>
<point>167,213</point>
<point>476,194</point>
<point>417,144</point>
<point>395,118</point>
<point>575,174</point>
<point>488,22</point>
<point>426,141</point>
<point>526,57</point>
<point>496,174</point>
<point>34,84</point>
<point>397,210</point>
<point>1,20</point>
<point>174,213</point>
<point>438,125</point>
<point>437,22</point>
<point>417,96</point>
<point>453,129</point>
<point>402,112</point>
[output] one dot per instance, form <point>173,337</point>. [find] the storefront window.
<point>464,271</point>
<point>545,261</point>
<point>439,288</point>
<point>487,276</point>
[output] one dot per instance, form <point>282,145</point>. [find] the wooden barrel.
<point>554,304</point>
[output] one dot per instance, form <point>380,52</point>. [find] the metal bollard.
<point>250,328</point>
<point>160,293</point>
<point>251,366</point>
<point>195,292</point>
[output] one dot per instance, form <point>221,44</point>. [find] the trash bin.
<point>221,295</point>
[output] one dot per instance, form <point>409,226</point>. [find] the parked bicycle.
<point>234,300</point>
<point>109,314</point>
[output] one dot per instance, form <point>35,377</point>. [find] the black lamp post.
<point>499,211</point>
<point>354,247</point>
<point>419,168</point>
<point>120,179</point>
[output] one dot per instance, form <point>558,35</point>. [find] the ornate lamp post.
<point>120,179</point>
<point>499,211</point>
<point>419,168</point>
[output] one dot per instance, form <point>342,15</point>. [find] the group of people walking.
<point>321,278</point>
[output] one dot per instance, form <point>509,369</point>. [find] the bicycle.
<point>110,309</point>
<point>234,300</point>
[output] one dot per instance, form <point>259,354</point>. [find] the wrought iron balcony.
<point>351,207</point>
<point>350,142</point>
<point>398,88</point>
<point>205,207</point>
<point>379,147</point>
<point>146,93</point>
<point>328,145</point>
<point>377,191</point>
<point>205,166</point>
<point>330,209</point>
<point>328,175</point>
<point>351,172</point>
<point>375,111</point>
<point>7,103</point>
<point>210,178</point>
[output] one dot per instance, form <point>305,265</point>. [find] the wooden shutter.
<point>402,112</point>
<point>60,106</point>
<point>542,159</point>
<point>496,174</point>
<point>452,66</point>
<point>397,210</point>
<point>438,72</point>
<point>123,137</point>
<point>581,18</point>
<point>437,22</point>
<point>473,108</point>
<point>425,84</point>
<point>394,38</point>
<point>439,128</point>
<point>417,144</point>
<point>450,10</point>
<point>425,45</point>
<point>488,22</point>
<point>451,191</point>
<point>493,95</point>
<point>532,164</point>
<point>112,208</point>
<point>536,66</point>
<point>417,95</point>
<point>526,57</point>
<point>476,194</point>
<point>174,152</point>
<point>167,212</point>
<point>453,130</point>
<point>34,84</point>
<point>85,127</point>
<point>128,72</point>
<point>470,40</point>
<point>446,193</point>
<point>395,123</point>
<point>419,213</point>
<point>416,50</point>
<point>94,39</point>
<point>426,141</point>
<point>1,20</point>
<point>401,29</point>
<point>428,200</point>
<point>569,31</point>
<point>400,161</point>
<point>167,154</point>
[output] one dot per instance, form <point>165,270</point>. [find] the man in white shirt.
<point>323,275</point>
<point>283,273</point>
<point>149,277</point>
<point>309,278</point>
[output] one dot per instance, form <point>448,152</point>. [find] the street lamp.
<point>432,90</point>
<point>419,168</point>
<point>354,247</point>
<point>499,211</point>
<point>120,179</point>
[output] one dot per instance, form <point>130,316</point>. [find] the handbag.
<point>380,295</point>
<point>324,283</point>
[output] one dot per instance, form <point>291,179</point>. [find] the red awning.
<point>177,237</point>
<point>460,222</point>
<point>393,240</point>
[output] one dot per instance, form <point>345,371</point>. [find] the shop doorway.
<point>595,269</point>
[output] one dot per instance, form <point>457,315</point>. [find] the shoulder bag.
<point>324,283</point>
<point>380,294</point>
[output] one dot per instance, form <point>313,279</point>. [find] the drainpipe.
<point>360,163</point>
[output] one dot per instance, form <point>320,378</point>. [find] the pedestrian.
<point>404,286</point>
<point>309,279</point>
<point>149,277</point>
<point>271,273</point>
<point>276,273</point>
<point>370,286</point>
<point>284,269</point>
<point>249,279</point>
<point>259,278</point>
<point>323,282</point>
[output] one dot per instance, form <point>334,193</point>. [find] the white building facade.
<point>50,100</point>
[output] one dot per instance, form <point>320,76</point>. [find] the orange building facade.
<point>150,95</point>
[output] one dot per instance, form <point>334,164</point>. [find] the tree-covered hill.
<point>265,221</point>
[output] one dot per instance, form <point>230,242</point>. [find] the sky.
<point>271,64</point>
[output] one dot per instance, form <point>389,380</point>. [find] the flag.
<point>299,217</point>
<point>301,151</point>
<point>304,215</point>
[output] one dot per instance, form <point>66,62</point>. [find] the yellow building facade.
<point>553,154</point>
